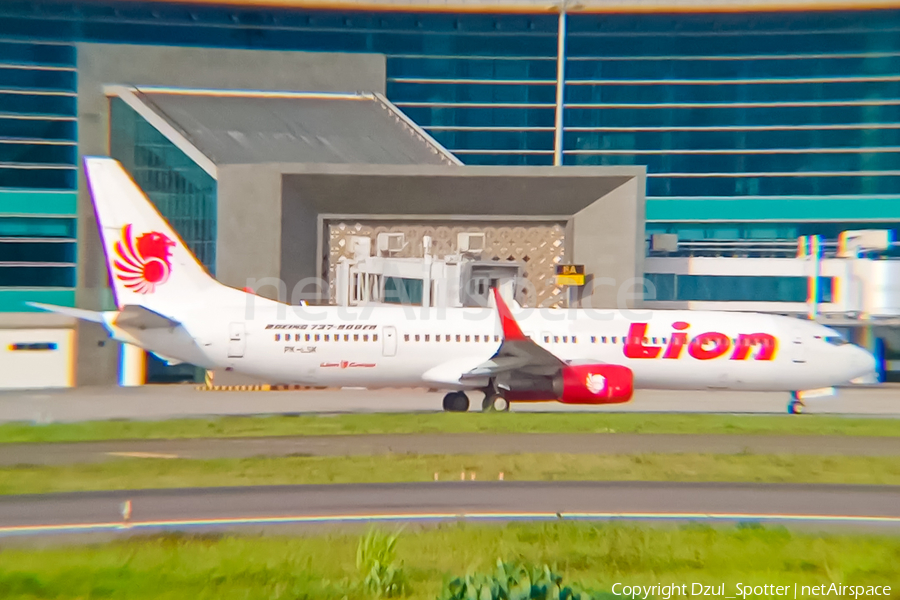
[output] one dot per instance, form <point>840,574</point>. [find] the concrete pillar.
<point>132,366</point>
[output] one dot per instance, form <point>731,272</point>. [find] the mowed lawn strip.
<point>323,566</point>
<point>140,473</point>
<point>398,423</point>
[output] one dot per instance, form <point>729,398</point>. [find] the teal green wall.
<point>793,208</point>
<point>13,300</point>
<point>38,202</point>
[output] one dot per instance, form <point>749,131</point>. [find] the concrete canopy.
<point>282,234</point>
<point>242,127</point>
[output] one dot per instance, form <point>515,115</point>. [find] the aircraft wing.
<point>517,352</point>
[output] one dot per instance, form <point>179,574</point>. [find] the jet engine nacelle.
<point>595,384</point>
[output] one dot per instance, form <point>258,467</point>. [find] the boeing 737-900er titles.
<point>169,305</point>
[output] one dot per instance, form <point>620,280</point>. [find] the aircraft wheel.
<point>456,402</point>
<point>495,403</point>
<point>795,407</point>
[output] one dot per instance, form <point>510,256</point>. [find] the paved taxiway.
<point>174,401</point>
<point>445,443</point>
<point>218,508</point>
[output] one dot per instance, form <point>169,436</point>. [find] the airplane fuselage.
<point>387,346</point>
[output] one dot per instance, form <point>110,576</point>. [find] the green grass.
<point>323,566</point>
<point>353,424</point>
<point>173,473</point>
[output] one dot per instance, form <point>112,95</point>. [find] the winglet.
<point>511,330</point>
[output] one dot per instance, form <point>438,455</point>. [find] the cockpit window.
<point>835,340</point>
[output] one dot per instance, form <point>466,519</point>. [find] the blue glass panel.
<point>724,93</point>
<point>480,117</point>
<point>738,163</point>
<point>29,276</point>
<point>461,92</point>
<point>495,140</point>
<point>37,252</point>
<point>726,139</point>
<point>733,288</point>
<point>455,68</point>
<point>39,178</point>
<point>772,186</point>
<point>27,79</point>
<point>38,154</point>
<point>37,129</point>
<point>37,54</point>
<point>36,227</point>
<point>398,290</point>
<point>27,104</point>
<point>184,194</point>
<point>533,160</point>
<point>600,68</point>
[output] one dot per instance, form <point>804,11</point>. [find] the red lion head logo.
<point>143,263</point>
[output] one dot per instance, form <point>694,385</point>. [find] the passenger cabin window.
<point>375,337</point>
<point>467,338</point>
<point>427,337</point>
<point>614,339</point>
<point>317,337</point>
<point>555,339</point>
<point>355,337</point>
<point>603,339</point>
<point>277,337</point>
<point>477,337</point>
<point>405,337</point>
<point>496,338</point>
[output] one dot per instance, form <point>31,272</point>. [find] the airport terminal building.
<point>707,137</point>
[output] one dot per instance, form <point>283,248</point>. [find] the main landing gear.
<point>456,402</point>
<point>494,402</point>
<point>459,402</point>
<point>795,405</point>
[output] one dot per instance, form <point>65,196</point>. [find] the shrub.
<point>512,581</point>
<point>375,558</point>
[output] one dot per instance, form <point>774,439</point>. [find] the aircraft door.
<point>237,340</point>
<point>798,351</point>
<point>390,341</point>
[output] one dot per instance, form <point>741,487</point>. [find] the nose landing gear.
<point>795,405</point>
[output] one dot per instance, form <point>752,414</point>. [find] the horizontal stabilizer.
<point>78,313</point>
<point>137,317</point>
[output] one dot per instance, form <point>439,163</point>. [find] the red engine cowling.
<point>596,384</point>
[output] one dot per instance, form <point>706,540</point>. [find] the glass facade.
<point>732,288</point>
<point>756,121</point>
<point>183,193</point>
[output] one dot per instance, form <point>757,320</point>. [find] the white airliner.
<point>169,305</point>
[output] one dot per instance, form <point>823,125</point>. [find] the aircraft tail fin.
<point>149,264</point>
<point>511,329</point>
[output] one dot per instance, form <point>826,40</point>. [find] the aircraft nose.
<point>863,364</point>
